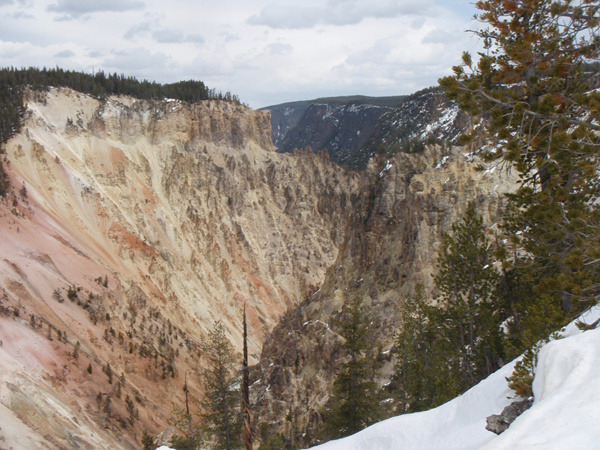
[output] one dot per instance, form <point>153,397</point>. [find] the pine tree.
<point>246,389</point>
<point>534,88</point>
<point>422,366</point>
<point>469,316</point>
<point>354,404</point>
<point>222,401</point>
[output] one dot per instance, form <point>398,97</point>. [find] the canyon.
<point>134,225</point>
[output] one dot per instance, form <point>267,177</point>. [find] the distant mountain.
<point>353,129</point>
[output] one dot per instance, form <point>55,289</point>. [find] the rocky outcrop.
<point>499,423</point>
<point>341,130</point>
<point>355,129</point>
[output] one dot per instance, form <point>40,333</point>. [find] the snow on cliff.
<point>565,413</point>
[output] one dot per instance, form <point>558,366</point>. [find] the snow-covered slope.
<point>565,413</point>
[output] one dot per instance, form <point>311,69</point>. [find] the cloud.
<point>279,48</point>
<point>137,30</point>
<point>64,54</point>
<point>27,3</point>
<point>439,37</point>
<point>162,35</point>
<point>174,36</point>
<point>194,37</point>
<point>72,9</point>
<point>135,59</point>
<point>168,36</point>
<point>336,12</point>
<point>22,15</point>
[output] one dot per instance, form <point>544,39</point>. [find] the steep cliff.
<point>391,245</point>
<point>132,227</point>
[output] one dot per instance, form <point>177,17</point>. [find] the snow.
<point>388,166</point>
<point>565,413</point>
<point>442,162</point>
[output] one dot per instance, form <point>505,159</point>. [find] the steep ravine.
<point>132,227</point>
<point>391,244</point>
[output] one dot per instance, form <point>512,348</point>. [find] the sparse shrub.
<point>131,409</point>
<point>184,442</point>
<point>107,405</point>
<point>72,293</point>
<point>56,295</point>
<point>108,371</point>
<point>89,368</point>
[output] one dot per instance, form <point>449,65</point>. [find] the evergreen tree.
<point>469,316</point>
<point>534,87</point>
<point>354,404</point>
<point>446,347</point>
<point>222,402</point>
<point>422,368</point>
<point>246,389</point>
<point>147,441</point>
<point>4,181</point>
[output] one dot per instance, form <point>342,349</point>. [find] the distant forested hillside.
<point>354,129</point>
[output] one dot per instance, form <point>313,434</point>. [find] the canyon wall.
<point>132,227</point>
<point>391,245</point>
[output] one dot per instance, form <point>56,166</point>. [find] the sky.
<point>265,51</point>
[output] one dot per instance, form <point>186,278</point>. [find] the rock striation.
<point>132,227</point>
<point>391,244</point>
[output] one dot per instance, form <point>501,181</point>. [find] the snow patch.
<point>442,162</point>
<point>565,413</point>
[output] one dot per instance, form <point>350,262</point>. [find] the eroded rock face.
<point>142,223</point>
<point>391,244</point>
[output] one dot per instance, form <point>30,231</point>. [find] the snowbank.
<point>565,414</point>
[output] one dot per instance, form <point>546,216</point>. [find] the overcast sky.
<point>265,51</point>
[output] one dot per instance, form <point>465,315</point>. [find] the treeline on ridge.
<point>98,85</point>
